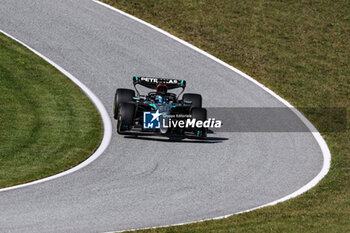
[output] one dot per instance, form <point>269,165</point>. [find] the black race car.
<point>159,112</point>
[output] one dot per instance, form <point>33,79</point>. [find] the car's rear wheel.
<point>195,99</point>
<point>126,116</point>
<point>122,96</point>
<point>199,114</point>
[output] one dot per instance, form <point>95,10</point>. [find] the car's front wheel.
<point>199,114</point>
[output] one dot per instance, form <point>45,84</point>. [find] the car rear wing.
<point>152,83</point>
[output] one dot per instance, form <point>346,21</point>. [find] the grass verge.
<point>47,124</point>
<point>300,50</point>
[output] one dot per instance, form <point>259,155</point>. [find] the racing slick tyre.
<point>196,99</point>
<point>122,96</point>
<point>200,114</point>
<point>125,117</point>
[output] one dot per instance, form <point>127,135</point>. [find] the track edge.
<point>106,121</point>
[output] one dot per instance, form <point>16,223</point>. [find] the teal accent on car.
<point>153,106</point>
<point>188,102</point>
<point>182,82</point>
<point>136,98</point>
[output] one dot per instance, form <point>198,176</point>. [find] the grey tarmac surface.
<point>141,182</point>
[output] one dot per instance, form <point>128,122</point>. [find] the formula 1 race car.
<point>159,112</point>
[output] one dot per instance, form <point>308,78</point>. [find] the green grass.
<point>47,124</point>
<point>300,50</point>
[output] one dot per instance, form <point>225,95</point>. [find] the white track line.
<point>107,124</point>
<point>315,133</point>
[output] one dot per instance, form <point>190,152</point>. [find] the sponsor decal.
<point>151,80</point>
<point>156,80</point>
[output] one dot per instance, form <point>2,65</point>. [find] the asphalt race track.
<point>141,182</point>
